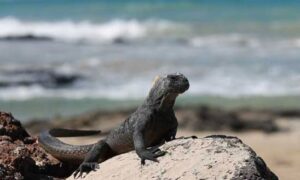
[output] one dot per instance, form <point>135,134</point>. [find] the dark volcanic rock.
<point>194,118</point>
<point>106,120</point>
<point>43,77</point>
<point>288,113</point>
<point>207,118</point>
<point>21,157</point>
<point>11,128</point>
<point>26,37</point>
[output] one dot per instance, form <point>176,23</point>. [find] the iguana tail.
<point>62,151</point>
<point>59,132</point>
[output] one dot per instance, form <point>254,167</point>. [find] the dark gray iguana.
<point>152,124</point>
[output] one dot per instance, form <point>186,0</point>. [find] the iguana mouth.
<point>186,86</point>
<point>182,84</point>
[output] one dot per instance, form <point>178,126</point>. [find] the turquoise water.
<point>255,16</point>
<point>43,109</point>
<point>232,50</point>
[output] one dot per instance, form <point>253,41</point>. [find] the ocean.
<point>64,57</point>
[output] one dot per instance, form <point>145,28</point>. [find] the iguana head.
<point>165,89</point>
<point>171,83</point>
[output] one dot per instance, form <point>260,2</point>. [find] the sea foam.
<point>84,30</point>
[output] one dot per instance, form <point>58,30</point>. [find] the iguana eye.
<point>172,77</point>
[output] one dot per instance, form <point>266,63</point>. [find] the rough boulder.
<point>22,158</point>
<point>213,157</point>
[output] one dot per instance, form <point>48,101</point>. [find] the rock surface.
<point>214,157</point>
<point>21,157</point>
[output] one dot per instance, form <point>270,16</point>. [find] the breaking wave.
<point>237,41</point>
<point>121,30</point>
<point>138,89</point>
<point>114,30</point>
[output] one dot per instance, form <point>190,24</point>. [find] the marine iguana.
<point>153,123</point>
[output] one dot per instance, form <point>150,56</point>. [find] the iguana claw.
<point>85,168</point>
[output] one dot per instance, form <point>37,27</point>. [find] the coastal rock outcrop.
<point>43,77</point>
<point>215,119</point>
<point>213,157</point>
<point>21,157</point>
<point>199,118</point>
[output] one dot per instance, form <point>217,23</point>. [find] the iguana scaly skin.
<point>152,124</point>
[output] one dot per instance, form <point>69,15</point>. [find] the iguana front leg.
<point>142,152</point>
<point>172,124</point>
<point>99,153</point>
<point>171,134</point>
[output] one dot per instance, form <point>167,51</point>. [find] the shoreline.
<point>272,133</point>
<point>190,118</point>
<point>49,108</point>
